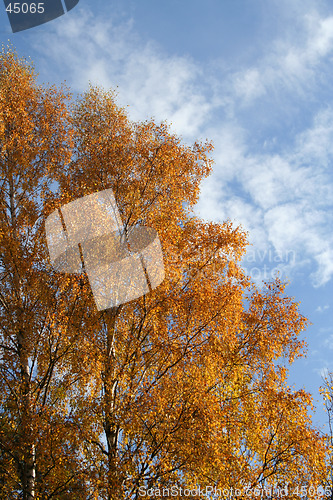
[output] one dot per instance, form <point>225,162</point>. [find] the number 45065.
<point>25,8</point>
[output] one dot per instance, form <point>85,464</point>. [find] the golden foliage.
<point>184,386</point>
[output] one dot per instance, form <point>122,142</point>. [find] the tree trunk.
<point>27,448</point>
<point>28,465</point>
<point>111,428</point>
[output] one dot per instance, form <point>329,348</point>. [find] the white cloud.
<point>325,266</point>
<point>328,342</point>
<point>315,145</point>
<point>283,200</point>
<point>322,309</point>
<point>320,40</point>
<point>249,84</point>
<point>88,48</point>
<point>290,63</point>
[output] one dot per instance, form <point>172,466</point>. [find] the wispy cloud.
<point>289,64</point>
<point>283,199</point>
<point>322,309</point>
<point>91,49</point>
<point>281,191</point>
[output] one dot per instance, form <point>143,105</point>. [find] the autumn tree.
<point>181,387</point>
<point>36,325</point>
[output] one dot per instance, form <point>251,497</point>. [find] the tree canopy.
<point>182,387</point>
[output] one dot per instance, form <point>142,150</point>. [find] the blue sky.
<point>254,76</point>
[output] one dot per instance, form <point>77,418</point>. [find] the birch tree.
<point>183,386</point>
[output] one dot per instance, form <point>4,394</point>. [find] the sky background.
<point>253,76</point>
